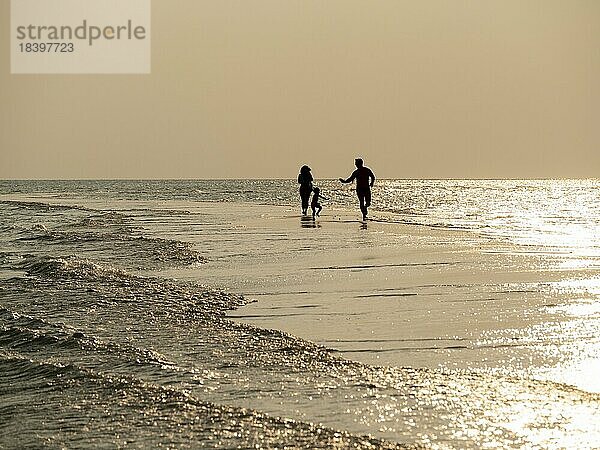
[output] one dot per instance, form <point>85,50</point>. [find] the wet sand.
<point>393,294</point>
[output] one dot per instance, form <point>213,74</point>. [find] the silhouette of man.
<point>364,182</point>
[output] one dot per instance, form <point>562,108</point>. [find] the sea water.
<point>115,297</point>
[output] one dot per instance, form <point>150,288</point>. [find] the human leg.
<point>367,203</point>
<point>304,196</point>
<point>364,201</point>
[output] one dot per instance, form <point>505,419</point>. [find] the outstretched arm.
<point>350,179</point>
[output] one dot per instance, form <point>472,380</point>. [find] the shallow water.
<point>108,334</point>
<point>558,214</point>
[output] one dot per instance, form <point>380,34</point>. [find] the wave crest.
<point>69,267</point>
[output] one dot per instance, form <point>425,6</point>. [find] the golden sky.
<point>256,88</point>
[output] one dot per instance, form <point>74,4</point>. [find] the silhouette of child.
<point>314,204</point>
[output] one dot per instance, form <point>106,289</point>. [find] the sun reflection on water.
<point>579,286</point>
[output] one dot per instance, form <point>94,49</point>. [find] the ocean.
<point>210,313</point>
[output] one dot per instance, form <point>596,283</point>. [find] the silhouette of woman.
<point>305,179</point>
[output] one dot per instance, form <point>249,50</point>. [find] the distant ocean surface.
<point>555,213</point>
<point>98,348</point>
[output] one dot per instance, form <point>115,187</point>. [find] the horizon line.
<point>293,178</point>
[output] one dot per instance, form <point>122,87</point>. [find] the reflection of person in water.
<point>364,182</point>
<point>305,180</point>
<point>315,205</point>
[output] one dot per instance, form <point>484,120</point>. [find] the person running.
<point>314,204</point>
<point>305,179</point>
<point>364,182</point>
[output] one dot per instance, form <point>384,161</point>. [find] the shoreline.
<point>273,371</point>
<point>410,276</point>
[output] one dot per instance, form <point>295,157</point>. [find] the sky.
<point>257,88</point>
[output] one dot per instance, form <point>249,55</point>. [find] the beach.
<point>280,330</point>
<point>395,294</point>
<point>300,225</point>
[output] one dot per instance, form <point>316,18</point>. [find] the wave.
<point>41,206</point>
<point>104,284</point>
<point>144,413</point>
<point>107,234</point>
<point>137,247</point>
<point>29,335</point>
<point>103,220</point>
<point>69,267</point>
